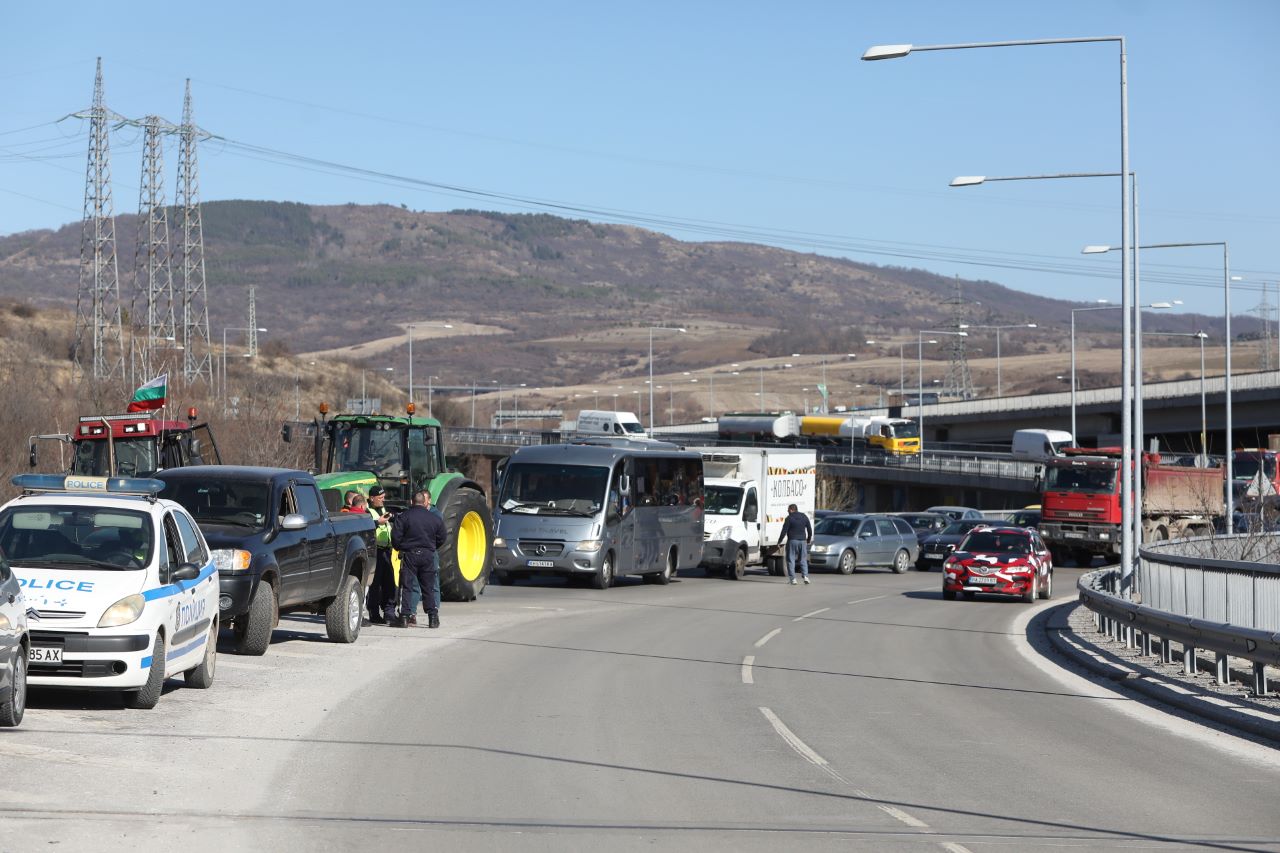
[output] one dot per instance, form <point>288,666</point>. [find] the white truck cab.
<point>120,588</point>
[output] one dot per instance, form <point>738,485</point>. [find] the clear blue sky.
<point>753,120</point>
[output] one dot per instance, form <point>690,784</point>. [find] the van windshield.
<point>633,428</point>
<point>549,489</point>
<point>723,500</point>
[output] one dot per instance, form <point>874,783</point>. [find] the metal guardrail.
<point>1204,599</point>
<point>455,436</point>
<point>944,463</point>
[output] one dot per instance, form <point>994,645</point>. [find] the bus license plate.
<point>983,581</point>
<point>44,654</point>
<point>541,564</point>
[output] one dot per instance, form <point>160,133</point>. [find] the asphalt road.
<point>707,715</point>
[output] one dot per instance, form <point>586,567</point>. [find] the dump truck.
<point>137,444</point>
<point>404,454</point>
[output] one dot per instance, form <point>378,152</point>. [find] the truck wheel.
<point>1082,558</point>
<point>848,563</point>
<point>343,615</point>
<point>201,677</point>
<point>465,560</point>
<point>775,566</point>
<point>253,627</point>
<point>148,695</point>
<point>11,711</point>
<point>604,578</point>
<point>739,568</point>
<point>900,562</point>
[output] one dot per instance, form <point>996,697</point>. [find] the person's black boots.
<point>433,620</point>
<point>397,622</point>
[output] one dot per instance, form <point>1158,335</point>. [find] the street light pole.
<point>653,329</point>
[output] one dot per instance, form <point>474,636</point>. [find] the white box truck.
<point>746,492</point>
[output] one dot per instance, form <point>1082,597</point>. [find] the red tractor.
<point>132,445</point>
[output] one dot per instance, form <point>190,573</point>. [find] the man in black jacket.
<point>417,533</point>
<point>796,535</point>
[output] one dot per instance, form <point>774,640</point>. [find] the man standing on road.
<point>415,589</point>
<point>796,534</point>
<point>417,534</point>
<point>382,596</point>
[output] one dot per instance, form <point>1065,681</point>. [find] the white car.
<point>13,648</point>
<point>120,588</point>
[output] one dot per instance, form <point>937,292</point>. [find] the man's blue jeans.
<point>797,556</point>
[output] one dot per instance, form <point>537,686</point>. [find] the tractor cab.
<point>132,445</point>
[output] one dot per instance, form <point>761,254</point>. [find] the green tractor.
<point>403,455</point>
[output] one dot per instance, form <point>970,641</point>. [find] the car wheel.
<point>342,618</point>
<point>12,710</point>
<point>739,568</point>
<point>1033,586</point>
<point>901,561</point>
<point>1046,589</point>
<point>969,595</point>
<point>949,594</point>
<point>146,697</point>
<point>253,627</point>
<point>201,677</point>
<point>848,562</point>
<point>604,578</point>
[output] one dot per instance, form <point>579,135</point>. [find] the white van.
<point>594,422</point>
<point>1040,445</point>
<point>120,587</point>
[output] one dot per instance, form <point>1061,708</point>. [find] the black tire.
<point>1029,595</point>
<point>949,594</point>
<point>343,616</point>
<point>253,627</point>
<point>738,570</point>
<point>969,595</point>
<point>1046,589</point>
<point>470,525</point>
<point>146,697</point>
<point>11,711</point>
<point>776,566</point>
<point>668,572</point>
<point>504,578</point>
<point>901,562</point>
<point>201,677</point>
<point>603,579</point>
<point>848,562</point>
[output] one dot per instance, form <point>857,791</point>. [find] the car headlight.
<point>499,542</point>
<point>589,546</point>
<point>123,612</point>
<point>819,549</point>
<point>231,559</point>
<point>722,533</point>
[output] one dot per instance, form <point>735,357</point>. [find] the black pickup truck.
<point>276,548</point>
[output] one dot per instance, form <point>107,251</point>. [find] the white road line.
<point>767,637</point>
<point>746,669</point>
<point>814,613</point>
<point>955,848</point>
<point>872,598</point>
<point>794,742</point>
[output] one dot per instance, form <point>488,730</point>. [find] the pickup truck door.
<point>292,555</point>
<point>320,540</point>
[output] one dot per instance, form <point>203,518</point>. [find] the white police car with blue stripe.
<point>121,590</point>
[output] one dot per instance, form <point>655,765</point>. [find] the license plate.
<point>934,555</point>
<point>983,581</point>
<point>44,654</point>
<point>541,564</point>
<point>1071,534</point>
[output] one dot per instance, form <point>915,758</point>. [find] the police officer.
<point>417,534</point>
<point>381,599</point>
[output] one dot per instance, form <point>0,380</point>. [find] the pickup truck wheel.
<point>342,617</point>
<point>901,561</point>
<point>739,568</point>
<point>253,627</point>
<point>848,563</point>
<point>11,711</point>
<point>466,558</point>
<point>148,695</point>
<point>201,677</point>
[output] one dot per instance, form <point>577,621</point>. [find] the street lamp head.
<point>968,180</point>
<point>1095,250</point>
<point>1160,305</point>
<point>886,51</point>
<point>1202,335</point>
<point>1031,325</point>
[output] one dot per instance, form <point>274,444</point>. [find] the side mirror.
<point>31,456</point>
<point>186,572</point>
<point>286,433</point>
<point>865,534</point>
<point>294,521</point>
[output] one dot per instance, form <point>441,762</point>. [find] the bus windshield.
<point>551,489</point>
<point>1081,479</point>
<point>135,457</point>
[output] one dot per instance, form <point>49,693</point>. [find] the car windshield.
<point>239,502</point>
<point>723,500</point>
<point>1078,478</point>
<point>76,537</point>
<point>550,489</point>
<point>959,528</point>
<point>991,542</point>
<point>836,525</point>
<point>922,522</point>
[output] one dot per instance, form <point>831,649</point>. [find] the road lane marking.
<point>813,613</point>
<point>746,669</point>
<point>792,740</point>
<point>952,847</point>
<point>872,598</point>
<point>767,637</point>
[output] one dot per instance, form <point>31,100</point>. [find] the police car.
<point>121,591</point>
<point>13,648</point>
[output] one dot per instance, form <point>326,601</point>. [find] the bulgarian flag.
<point>150,396</point>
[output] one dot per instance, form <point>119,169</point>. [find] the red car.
<point>1001,561</point>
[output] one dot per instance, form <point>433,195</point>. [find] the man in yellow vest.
<point>383,592</point>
